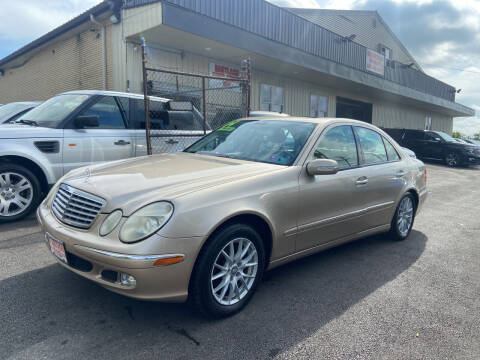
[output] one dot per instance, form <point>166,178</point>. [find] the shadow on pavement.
<point>54,313</point>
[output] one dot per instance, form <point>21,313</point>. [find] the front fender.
<point>13,148</point>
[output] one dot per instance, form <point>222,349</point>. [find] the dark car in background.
<point>436,145</point>
<point>12,111</point>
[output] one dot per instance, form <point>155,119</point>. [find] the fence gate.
<point>200,103</point>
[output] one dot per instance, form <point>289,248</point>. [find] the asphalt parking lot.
<point>374,298</point>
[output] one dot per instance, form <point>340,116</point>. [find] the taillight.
<point>425,175</point>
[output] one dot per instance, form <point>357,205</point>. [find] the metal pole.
<point>145,100</point>
<point>249,79</point>
<point>204,105</point>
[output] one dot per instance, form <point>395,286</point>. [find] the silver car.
<point>80,128</point>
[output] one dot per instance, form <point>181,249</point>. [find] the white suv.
<point>80,128</point>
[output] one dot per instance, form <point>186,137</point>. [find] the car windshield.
<point>445,136</point>
<point>54,110</point>
<point>270,141</point>
<point>9,110</point>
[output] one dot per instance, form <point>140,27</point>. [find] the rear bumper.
<point>422,197</point>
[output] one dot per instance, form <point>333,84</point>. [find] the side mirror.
<point>86,121</point>
<point>322,167</point>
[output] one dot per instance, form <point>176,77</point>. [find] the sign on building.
<point>223,71</point>
<point>375,62</point>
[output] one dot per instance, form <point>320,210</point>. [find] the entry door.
<point>111,140</point>
<point>329,203</point>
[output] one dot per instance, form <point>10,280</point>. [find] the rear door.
<point>110,141</point>
<point>171,131</point>
<point>382,177</point>
<point>414,140</point>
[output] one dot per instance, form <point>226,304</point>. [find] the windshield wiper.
<point>27,122</point>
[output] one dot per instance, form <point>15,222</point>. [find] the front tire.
<point>402,221</point>
<point>20,192</point>
<point>228,271</point>
<point>452,160</point>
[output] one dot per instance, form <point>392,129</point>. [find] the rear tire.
<point>228,271</point>
<point>403,219</point>
<point>20,192</point>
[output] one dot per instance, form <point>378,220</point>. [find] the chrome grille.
<point>75,207</point>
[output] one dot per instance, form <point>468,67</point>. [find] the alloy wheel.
<point>405,216</point>
<point>16,193</point>
<point>452,159</point>
<point>234,271</point>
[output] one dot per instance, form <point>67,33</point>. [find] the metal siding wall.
<point>272,22</point>
<point>362,26</point>
<point>390,115</point>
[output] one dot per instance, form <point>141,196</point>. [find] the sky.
<point>442,35</point>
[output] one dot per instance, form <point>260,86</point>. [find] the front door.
<point>110,140</point>
<point>432,146</point>
<point>329,203</point>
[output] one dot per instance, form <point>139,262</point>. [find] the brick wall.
<point>70,64</point>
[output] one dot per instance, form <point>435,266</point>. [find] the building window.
<point>386,51</point>
<point>271,98</point>
<point>318,106</point>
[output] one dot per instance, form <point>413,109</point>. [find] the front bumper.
<point>472,160</point>
<point>102,260</point>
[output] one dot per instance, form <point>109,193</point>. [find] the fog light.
<point>127,280</point>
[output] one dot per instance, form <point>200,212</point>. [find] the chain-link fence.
<point>199,104</point>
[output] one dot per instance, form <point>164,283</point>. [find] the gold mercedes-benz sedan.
<point>204,224</point>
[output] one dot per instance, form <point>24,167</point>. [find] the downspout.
<point>104,49</point>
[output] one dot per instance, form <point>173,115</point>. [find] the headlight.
<point>110,222</point>
<point>146,221</point>
<point>470,151</point>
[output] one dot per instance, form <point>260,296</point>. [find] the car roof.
<point>34,103</point>
<point>323,121</point>
<point>114,93</point>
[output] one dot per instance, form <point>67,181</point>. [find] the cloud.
<point>24,21</point>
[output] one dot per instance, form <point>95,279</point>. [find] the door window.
<point>372,146</point>
<point>338,144</point>
<point>125,108</point>
<point>109,115</point>
<point>391,152</point>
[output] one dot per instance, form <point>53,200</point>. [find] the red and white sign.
<point>223,71</point>
<point>375,62</point>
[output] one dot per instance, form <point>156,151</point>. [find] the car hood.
<point>130,184</point>
<point>20,131</point>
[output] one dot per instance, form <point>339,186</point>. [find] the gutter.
<point>104,49</point>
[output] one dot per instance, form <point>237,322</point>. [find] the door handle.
<point>362,181</point>
<point>171,141</point>
<point>122,142</point>
<point>400,173</point>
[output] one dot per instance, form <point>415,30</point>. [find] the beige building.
<point>304,62</point>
